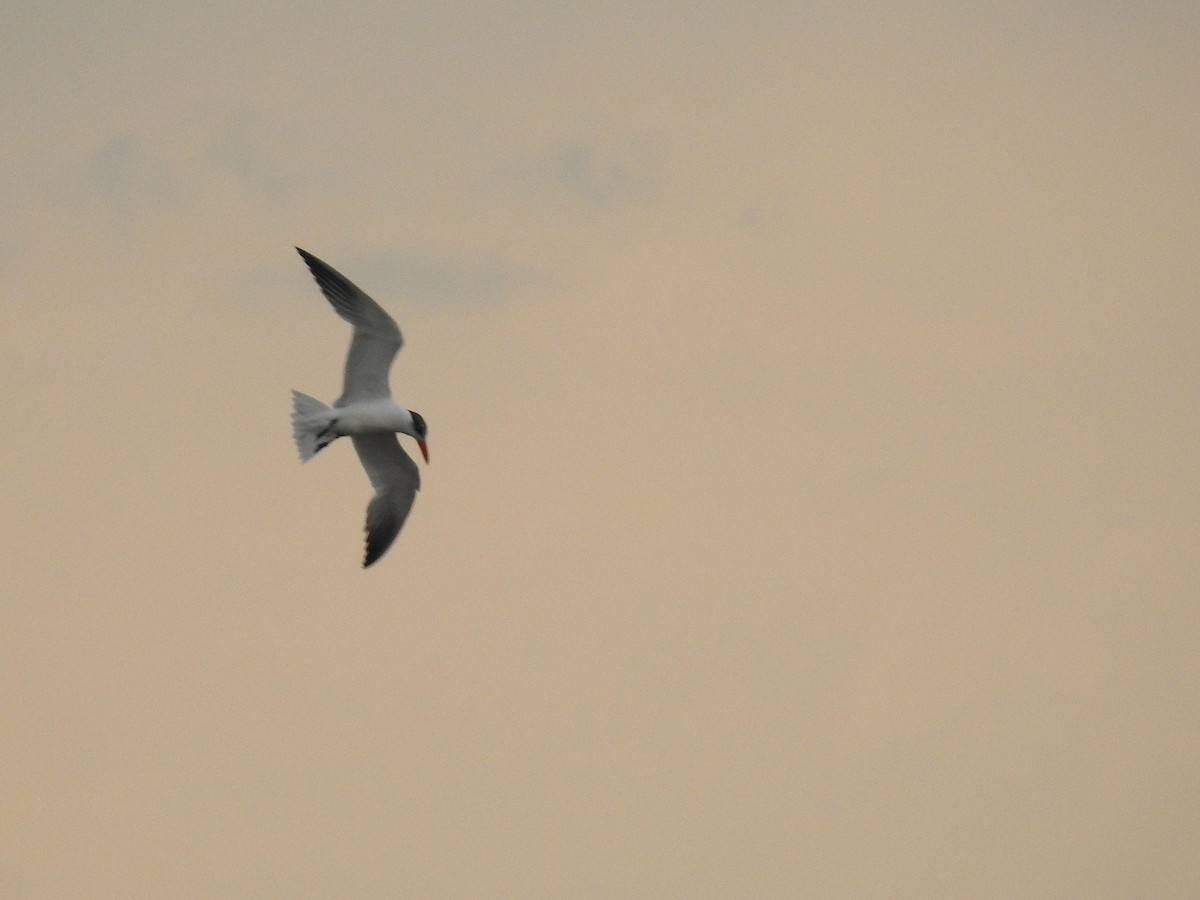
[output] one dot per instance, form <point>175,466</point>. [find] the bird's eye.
<point>418,423</point>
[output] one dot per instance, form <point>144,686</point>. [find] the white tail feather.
<point>310,417</point>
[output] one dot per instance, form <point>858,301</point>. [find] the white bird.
<point>365,411</point>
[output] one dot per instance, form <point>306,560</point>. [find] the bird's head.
<point>420,429</point>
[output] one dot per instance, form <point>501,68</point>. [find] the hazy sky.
<point>814,407</point>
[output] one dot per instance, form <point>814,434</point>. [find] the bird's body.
<point>368,416</point>
<point>366,411</point>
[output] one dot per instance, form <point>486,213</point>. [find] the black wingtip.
<point>318,269</point>
<point>372,551</point>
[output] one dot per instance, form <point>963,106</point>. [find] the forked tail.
<point>310,425</point>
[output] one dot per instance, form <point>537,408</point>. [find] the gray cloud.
<point>591,174</point>
<point>243,150</point>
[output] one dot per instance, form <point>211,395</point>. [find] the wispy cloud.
<point>130,176</point>
<point>591,174</point>
<point>244,150</point>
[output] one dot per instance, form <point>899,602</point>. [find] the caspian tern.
<point>365,411</point>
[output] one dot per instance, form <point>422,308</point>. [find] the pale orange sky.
<point>813,405</point>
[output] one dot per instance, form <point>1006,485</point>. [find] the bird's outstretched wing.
<point>396,481</point>
<point>376,340</point>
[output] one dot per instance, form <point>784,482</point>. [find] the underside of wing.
<point>367,366</point>
<point>376,340</point>
<point>396,481</point>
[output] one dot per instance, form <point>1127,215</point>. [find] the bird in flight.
<point>365,411</point>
